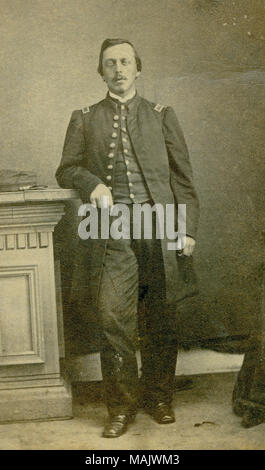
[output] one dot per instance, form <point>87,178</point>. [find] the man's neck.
<point>123,99</point>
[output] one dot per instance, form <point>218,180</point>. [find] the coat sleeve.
<point>181,178</point>
<point>72,173</point>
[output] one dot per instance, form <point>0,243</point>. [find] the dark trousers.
<point>133,271</point>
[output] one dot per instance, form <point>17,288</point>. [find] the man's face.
<point>119,68</point>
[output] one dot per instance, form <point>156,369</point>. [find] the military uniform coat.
<point>162,154</point>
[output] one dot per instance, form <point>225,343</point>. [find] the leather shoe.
<point>162,413</point>
<point>117,425</point>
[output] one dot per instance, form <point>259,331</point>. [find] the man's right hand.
<point>101,197</point>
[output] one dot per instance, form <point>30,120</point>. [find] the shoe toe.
<point>167,419</point>
<point>116,426</point>
<point>163,413</point>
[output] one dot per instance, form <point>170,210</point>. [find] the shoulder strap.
<point>85,110</point>
<point>159,107</point>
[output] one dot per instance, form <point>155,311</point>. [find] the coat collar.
<point>123,100</point>
<point>131,105</point>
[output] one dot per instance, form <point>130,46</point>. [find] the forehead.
<point>117,51</point>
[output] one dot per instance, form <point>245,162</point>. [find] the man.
<point>132,152</point>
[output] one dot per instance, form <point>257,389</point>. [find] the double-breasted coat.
<point>162,154</point>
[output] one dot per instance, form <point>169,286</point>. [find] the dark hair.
<point>114,42</point>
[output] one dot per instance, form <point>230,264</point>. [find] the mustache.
<point>120,77</point>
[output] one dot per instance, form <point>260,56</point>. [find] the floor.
<point>204,420</point>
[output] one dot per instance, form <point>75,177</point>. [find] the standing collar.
<point>123,100</point>
<point>130,104</point>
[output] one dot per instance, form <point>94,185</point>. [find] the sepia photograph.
<point>132,228</point>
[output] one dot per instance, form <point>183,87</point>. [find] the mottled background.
<point>203,57</point>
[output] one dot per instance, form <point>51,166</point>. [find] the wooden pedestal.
<point>31,387</point>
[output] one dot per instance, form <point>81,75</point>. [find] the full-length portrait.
<point>130,151</point>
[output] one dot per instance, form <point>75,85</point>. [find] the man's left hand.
<point>189,246</point>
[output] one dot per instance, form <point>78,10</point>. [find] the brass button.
<point>116,125</point>
<point>114,135</point>
<point>110,167</point>
<point>130,184</point>
<point>122,106</point>
<point>125,150</point>
<point>127,162</point>
<point>108,177</point>
<point>111,155</point>
<point>132,196</point>
<point>124,139</point>
<point>124,129</point>
<point>110,187</point>
<point>116,117</point>
<point>112,145</point>
<point>123,118</point>
<point>128,173</point>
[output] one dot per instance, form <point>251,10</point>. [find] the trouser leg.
<point>157,328</point>
<point>159,351</point>
<point>117,304</point>
<point>125,261</point>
